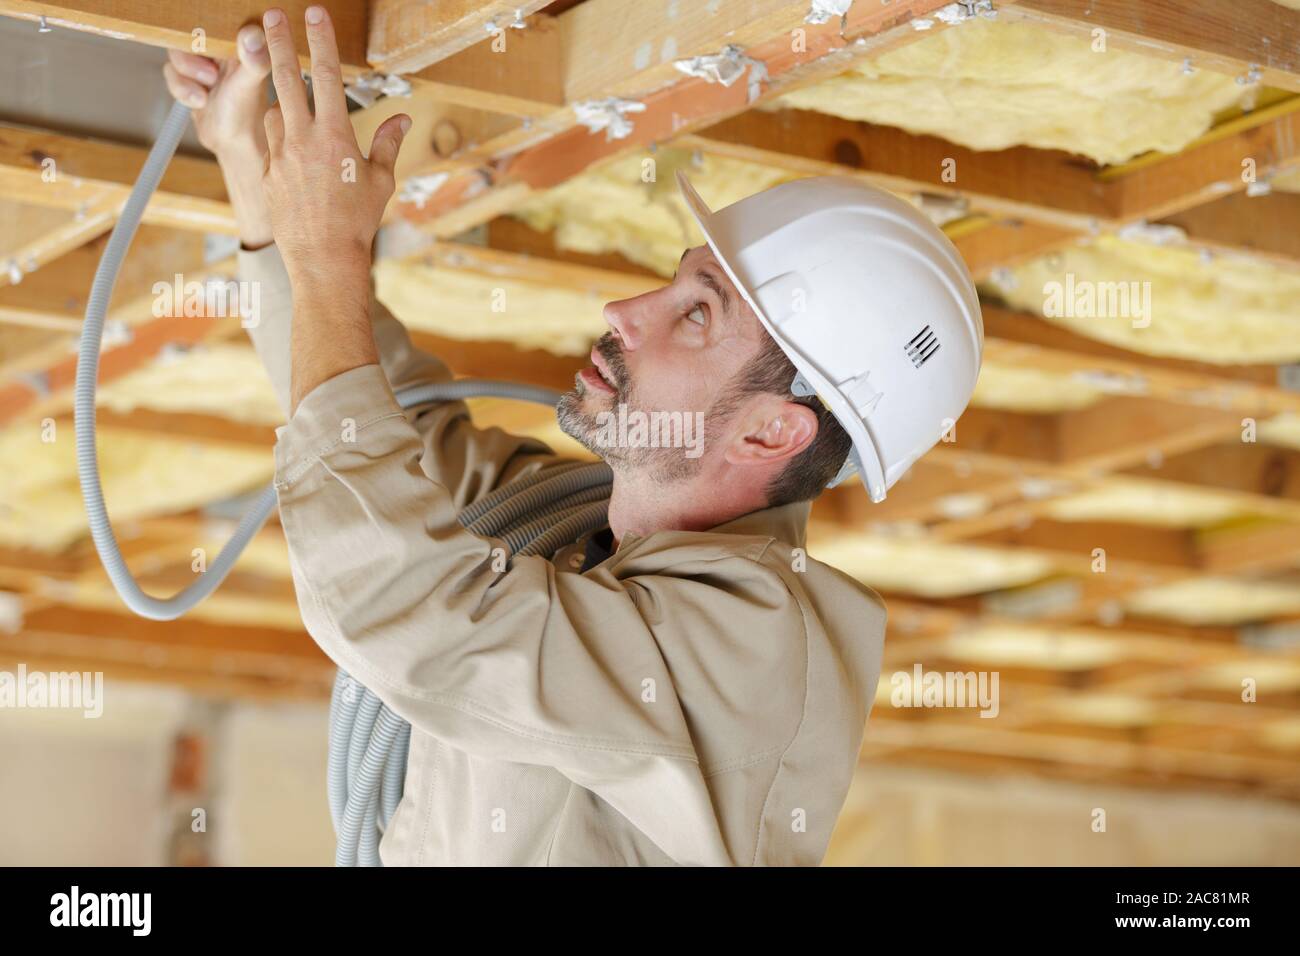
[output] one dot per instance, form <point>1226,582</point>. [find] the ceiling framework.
<point>1116,534</point>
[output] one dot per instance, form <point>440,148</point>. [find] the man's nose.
<point>621,316</point>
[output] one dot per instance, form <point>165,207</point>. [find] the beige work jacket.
<point>696,698</point>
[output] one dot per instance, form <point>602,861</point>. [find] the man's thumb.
<point>253,54</point>
<point>388,140</point>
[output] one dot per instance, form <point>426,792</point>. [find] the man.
<point>684,687</point>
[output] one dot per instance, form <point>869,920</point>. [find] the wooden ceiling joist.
<point>407,35</point>
<point>86,175</point>
<point>1266,227</point>
<point>174,24</point>
<point>1043,186</point>
<point>1253,148</point>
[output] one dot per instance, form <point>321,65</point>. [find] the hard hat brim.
<point>865,449</point>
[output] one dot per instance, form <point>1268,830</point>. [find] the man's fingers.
<point>193,66</point>
<point>253,55</point>
<point>285,73</point>
<point>387,142</point>
<point>185,90</point>
<point>274,123</point>
<point>326,77</point>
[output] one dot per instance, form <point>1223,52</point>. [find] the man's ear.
<point>774,431</point>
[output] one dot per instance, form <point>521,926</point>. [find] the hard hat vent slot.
<point>921,346</point>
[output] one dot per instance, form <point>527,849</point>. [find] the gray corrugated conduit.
<point>533,515</point>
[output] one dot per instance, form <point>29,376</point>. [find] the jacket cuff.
<point>335,413</point>
<point>263,266</point>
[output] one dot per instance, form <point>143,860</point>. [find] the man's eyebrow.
<point>718,288</point>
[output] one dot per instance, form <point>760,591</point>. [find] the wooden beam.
<point>1006,434</point>
<point>188,425</point>
<point>1049,187</point>
<point>1157,186</point>
<point>1126,545</point>
<point>173,24</point>
<point>1119,432</point>
<point>1261,546</point>
<point>186,636</point>
<point>526,79</point>
<point>988,245</point>
<point>183,651</point>
<point>1264,226</point>
<point>83,174</point>
<point>37,235</point>
<point>1224,37</point>
<point>627,48</point>
<point>406,36</point>
<point>1249,467</point>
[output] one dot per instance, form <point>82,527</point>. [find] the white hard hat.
<point>871,302</point>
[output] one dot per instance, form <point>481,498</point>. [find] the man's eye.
<point>697,315</point>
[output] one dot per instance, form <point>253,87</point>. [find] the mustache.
<point>607,347</point>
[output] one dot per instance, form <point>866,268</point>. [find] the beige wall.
<point>94,792</point>
<point>897,816</point>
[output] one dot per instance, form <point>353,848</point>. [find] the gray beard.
<point>665,465</point>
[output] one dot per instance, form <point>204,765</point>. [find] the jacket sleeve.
<point>527,665</point>
<point>467,460</point>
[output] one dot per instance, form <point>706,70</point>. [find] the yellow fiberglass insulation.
<point>1288,181</point>
<point>995,84</point>
<point>219,378</point>
<point>1224,309</point>
<point>612,209</point>
<point>142,475</point>
<point>1223,601</point>
<point>463,305</point>
<point>1018,389</point>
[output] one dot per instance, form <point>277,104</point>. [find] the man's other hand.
<point>227,97</point>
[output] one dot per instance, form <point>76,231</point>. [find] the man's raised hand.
<point>325,199</point>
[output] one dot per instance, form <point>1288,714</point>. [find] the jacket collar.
<point>787,523</point>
